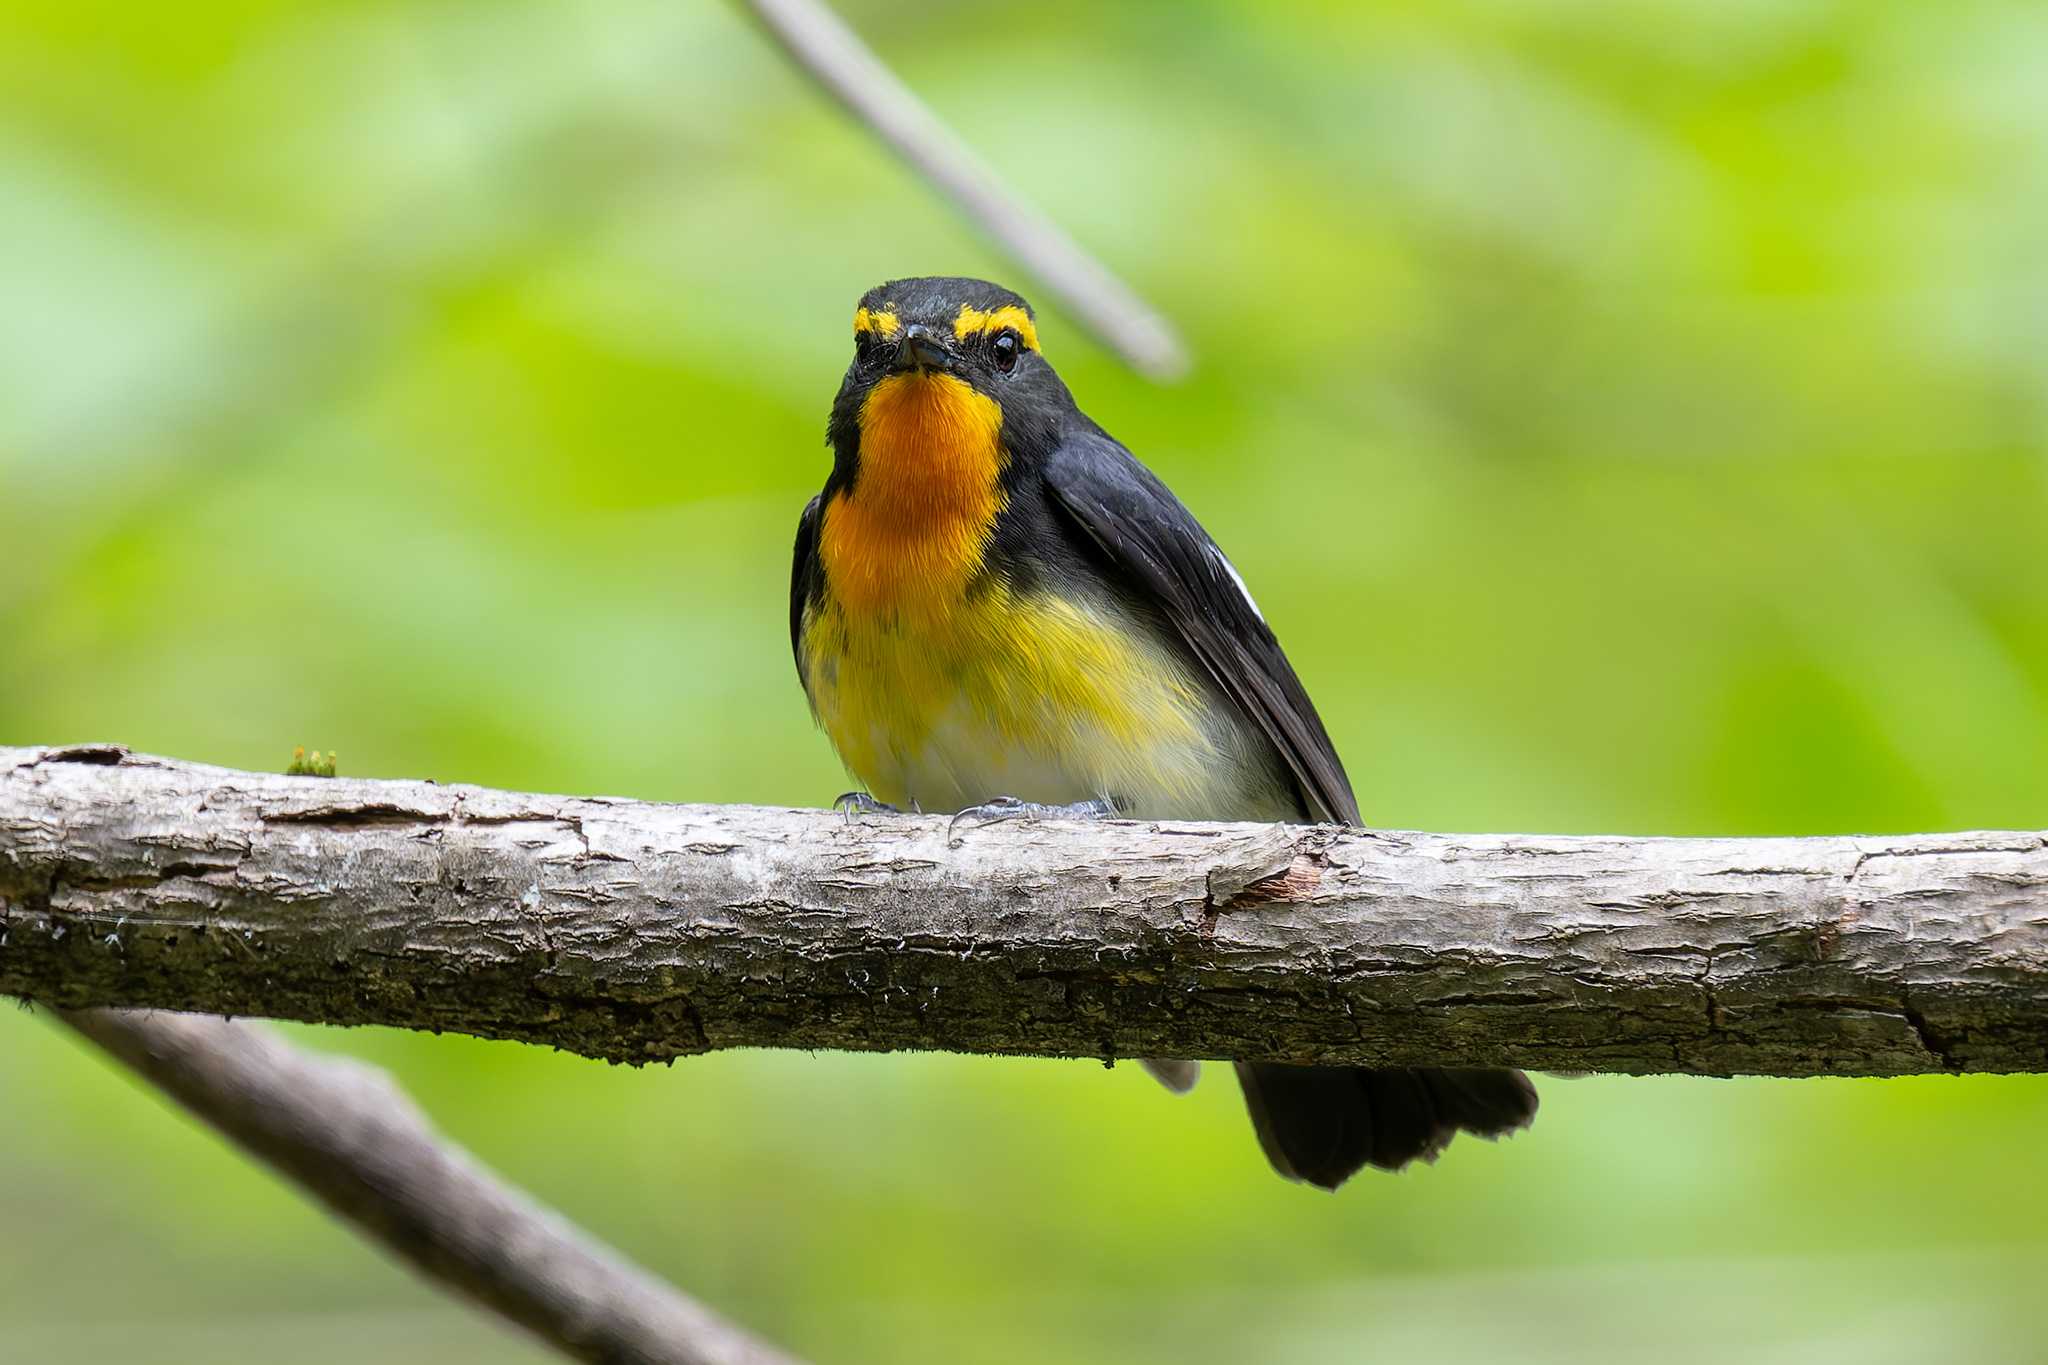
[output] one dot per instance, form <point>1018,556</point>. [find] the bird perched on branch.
<point>996,609</point>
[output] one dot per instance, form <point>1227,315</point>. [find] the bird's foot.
<point>1010,808</point>
<point>850,804</point>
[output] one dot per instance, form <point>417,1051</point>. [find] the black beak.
<point>921,349</point>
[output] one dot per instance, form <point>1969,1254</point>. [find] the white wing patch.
<point>1223,561</point>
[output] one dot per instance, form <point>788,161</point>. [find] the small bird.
<point>995,608</point>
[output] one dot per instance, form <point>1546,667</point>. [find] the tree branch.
<point>634,931</point>
<point>820,42</point>
<point>342,1131</point>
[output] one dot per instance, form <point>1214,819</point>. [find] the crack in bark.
<point>346,815</point>
<point>101,755</point>
<point>1937,1045</point>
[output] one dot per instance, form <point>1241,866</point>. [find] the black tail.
<point>1321,1123</point>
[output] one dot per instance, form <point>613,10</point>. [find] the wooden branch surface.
<point>344,1133</point>
<point>633,931</point>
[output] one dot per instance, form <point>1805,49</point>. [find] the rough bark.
<point>349,1137</point>
<point>636,932</point>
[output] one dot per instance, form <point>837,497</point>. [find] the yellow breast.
<point>942,685</point>
<point>1045,698</point>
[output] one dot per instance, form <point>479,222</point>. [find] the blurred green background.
<point>1632,417</point>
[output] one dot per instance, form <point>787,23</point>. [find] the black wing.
<point>803,580</point>
<point>1165,556</point>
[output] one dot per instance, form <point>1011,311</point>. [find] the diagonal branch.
<point>349,1137</point>
<point>820,42</point>
<point>635,931</point>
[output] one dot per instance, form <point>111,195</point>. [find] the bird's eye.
<point>1005,347</point>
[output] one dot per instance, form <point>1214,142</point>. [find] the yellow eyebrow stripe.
<point>974,320</point>
<point>884,323</point>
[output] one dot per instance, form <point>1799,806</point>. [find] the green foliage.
<point>314,764</point>
<point>1631,418</point>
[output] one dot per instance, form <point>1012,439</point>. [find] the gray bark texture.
<point>637,932</point>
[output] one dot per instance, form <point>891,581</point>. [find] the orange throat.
<point>911,532</point>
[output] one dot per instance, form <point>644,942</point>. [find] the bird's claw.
<point>850,804</point>
<point>1010,808</point>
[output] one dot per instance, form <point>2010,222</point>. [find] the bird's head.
<point>943,363</point>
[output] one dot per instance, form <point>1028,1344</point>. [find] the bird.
<point>995,609</point>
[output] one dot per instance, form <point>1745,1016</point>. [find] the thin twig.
<point>350,1138</point>
<point>820,42</point>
